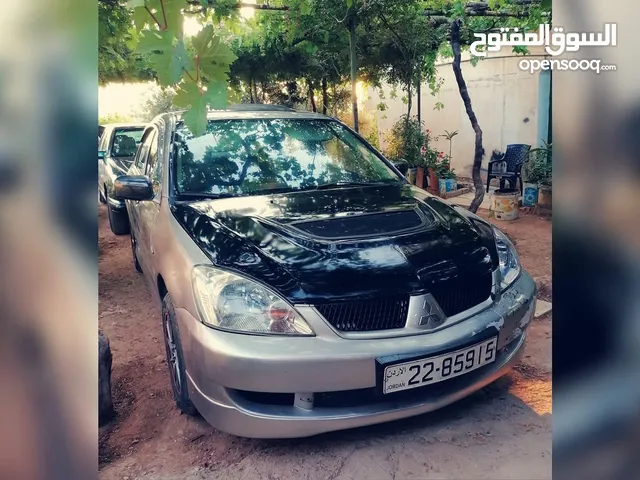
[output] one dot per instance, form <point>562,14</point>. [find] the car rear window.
<point>126,142</point>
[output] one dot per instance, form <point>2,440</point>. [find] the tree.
<point>159,102</point>
<point>466,18</point>
<point>116,61</point>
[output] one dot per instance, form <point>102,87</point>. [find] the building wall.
<point>504,98</point>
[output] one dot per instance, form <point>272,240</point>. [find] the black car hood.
<point>344,243</point>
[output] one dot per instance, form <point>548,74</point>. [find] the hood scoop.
<point>364,225</point>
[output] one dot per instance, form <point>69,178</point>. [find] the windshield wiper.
<point>328,186</point>
<point>213,196</point>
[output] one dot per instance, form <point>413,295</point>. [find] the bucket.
<point>505,204</point>
<point>544,197</point>
<point>411,175</point>
<point>447,185</point>
<point>530,195</point>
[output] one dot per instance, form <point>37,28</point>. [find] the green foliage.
<point>115,118</point>
<point>539,166</point>
<point>405,141</point>
<point>197,70</point>
<point>116,60</point>
<point>160,102</point>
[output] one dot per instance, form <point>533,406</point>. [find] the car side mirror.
<point>133,187</point>
<point>101,155</point>
<point>401,166</point>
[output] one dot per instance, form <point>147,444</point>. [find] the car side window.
<point>143,150</point>
<point>154,166</point>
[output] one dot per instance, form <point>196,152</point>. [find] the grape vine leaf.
<point>186,95</point>
<point>174,17</point>
<point>140,18</point>
<point>216,95</point>
<point>170,65</point>
<point>195,118</point>
<point>213,56</point>
<point>135,3</point>
<point>153,41</point>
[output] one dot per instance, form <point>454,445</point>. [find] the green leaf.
<point>349,3</point>
<point>154,41</point>
<point>140,18</point>
<point>213,56</point>
<point>135,3</point>
<point>187,95</point>
<point>305,7</point>
<point>195,118</point>
<point>216,95</point>
<point>175,19</point>
<point>171,64</point>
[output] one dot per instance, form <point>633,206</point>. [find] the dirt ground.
<point>501,432</point>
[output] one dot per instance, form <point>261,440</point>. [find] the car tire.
<point>133,253</point>
<point>101,196</point>
<point>175,358</point>
<point>118,221</point>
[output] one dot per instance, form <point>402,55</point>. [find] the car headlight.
<point>231,302</point>
<point>509,260</point>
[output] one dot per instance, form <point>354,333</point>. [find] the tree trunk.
<point>251,90</point>
<point>466,99</point>
<point>419,103</point>
<point>325,96</point>
<point>314,109</point>
<point>263,87</point>
<point>105,401</point>
<point>335,100</point>
<point>255,91</point>
<point>354,69</point>
<point>409,102</point>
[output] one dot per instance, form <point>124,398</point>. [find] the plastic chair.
<point>509,166</point>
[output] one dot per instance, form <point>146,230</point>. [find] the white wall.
<point>504,98</point>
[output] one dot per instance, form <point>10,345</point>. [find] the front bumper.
<point>222,368</point>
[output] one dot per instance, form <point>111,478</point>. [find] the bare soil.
<point>501,432</point>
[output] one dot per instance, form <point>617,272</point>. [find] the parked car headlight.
<point>509,260</point>
<point>231,302</point>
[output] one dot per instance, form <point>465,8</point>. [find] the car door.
<point>148,210</point>
<point>133,206</point>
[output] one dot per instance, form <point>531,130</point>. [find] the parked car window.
<point>125,142</point>
<point>245,157</point>
<point>153,153</point>
<point>143,151</point>
<point>154,166</point>
<point>104,140</point>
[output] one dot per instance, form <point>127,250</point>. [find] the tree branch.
<point>212,3</point>
<point>466,99</point>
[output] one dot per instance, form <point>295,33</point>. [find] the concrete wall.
<point>504,98</point>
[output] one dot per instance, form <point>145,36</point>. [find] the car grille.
<point>458,295</point>
<point>367,315</point>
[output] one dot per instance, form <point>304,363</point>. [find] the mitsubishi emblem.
<point>431,315</point>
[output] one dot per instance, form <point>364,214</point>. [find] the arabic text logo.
<point>555,43</point>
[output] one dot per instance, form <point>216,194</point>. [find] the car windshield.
<point>261,156</point>
<point>126,141</point>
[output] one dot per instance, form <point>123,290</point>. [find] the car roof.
<point>124,125</point>
<point>256,111</point>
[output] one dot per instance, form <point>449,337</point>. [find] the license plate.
<point>427,371</point>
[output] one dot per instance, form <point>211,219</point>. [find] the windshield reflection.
<point>261,156</point>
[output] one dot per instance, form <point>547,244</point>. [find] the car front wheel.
<point>175,358</point>
<point>118,221</point>
<point>135,255</point>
